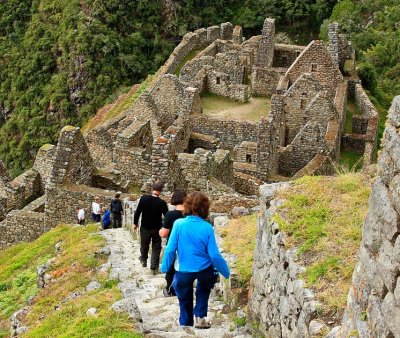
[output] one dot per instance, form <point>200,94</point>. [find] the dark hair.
<point>117,195</point>
<point>197,204</point>
<point>158,186</point>
<point>178,197</point>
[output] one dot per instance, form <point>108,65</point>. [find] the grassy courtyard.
<point>222,107</point>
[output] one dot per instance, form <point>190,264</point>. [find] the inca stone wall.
<point>21,226</point>
<point>61,203</point>
<point>265,80</point>
<point>308,142</point>
<point>266,44</point>
<point>363,138</point>
<point>279,299</point>
<point>373,306</point>
<point>315,59</point>
<point>230,133</point>
<point>285,55</point>
<point>72,160</point>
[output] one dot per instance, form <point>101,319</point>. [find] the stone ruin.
<point>285,306</point>
<point>165,135</point>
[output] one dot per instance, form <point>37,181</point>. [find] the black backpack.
<point>116,205</point>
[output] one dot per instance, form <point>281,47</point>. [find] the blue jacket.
<point>194,240</point>
<point>107,218</point>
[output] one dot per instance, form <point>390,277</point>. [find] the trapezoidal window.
<point>313,67</point>
<point>218,80</point>
<point>248,158</point>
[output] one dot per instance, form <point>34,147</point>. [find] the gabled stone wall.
<point>316,60</point>
<point>72,160</point>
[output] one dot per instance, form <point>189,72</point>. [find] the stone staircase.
<point>143,298</point>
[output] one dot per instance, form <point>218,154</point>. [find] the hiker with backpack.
<point>116,211</point>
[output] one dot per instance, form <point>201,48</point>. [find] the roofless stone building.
<point>166,133</point>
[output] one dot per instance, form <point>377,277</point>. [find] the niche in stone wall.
<point>248,158</point>
<point>218,80</point>
<point>313,67</point>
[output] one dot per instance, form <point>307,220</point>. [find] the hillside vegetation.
<point>71,271</point>
<point>62,60</point>
<point>373,26</point>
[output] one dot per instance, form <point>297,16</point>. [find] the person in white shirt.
<point>81,216</point>
<point>96,210</point>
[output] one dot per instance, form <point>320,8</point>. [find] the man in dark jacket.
<point>151,208</point>
<point>116,211</point>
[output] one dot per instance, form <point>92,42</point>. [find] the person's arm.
<point>170,250</point>
<point>167,226</point>
<point>138,212</point>
<point>165,208</point>
<point>216,258</point>
<point>164,232</point>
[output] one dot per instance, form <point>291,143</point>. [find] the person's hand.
<point>134,227</point>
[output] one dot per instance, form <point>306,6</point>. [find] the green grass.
<point>188,57</point>
<point>219,106</point>
<point>351,109</point>
<point>71,271</point>
<point>120,106</point>
<point>239,239</point>
<point>351,160</point>
<point>322,218</point>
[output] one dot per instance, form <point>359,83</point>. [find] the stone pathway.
<point>144,300</point>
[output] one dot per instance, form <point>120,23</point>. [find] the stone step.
<point>143,298</point>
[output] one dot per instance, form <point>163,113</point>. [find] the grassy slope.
<point>239,239</point>
<point>72,271</point>
<point>322,217</point>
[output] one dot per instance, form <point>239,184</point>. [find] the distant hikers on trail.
<point>116,211</point>
<point>151,208</point>
<point>177,199</point>
<point>193,249</point>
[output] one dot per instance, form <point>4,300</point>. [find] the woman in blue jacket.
<point>193,241</point>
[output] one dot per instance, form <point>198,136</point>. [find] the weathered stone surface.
<point>239,212</point>
<point>93,285</point>
<point>91,312</point>
<point>373,309</point>
<point>143,298</point>
<point>221,221</point>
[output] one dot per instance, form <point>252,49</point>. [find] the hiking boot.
<point>169,292</point>
<point>154,271</point>
<point>201,323</point>
<point>144,263</point>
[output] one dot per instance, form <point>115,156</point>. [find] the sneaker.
<point>166,292</point>
<point>201,323</point>
<point>169,292</point>
<point>144,263</point>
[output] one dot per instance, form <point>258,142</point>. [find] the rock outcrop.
<point>373,308</point>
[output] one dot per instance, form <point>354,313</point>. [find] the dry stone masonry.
<point>373,308</point>
<point>279,299</point>
<point>165,135</point>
